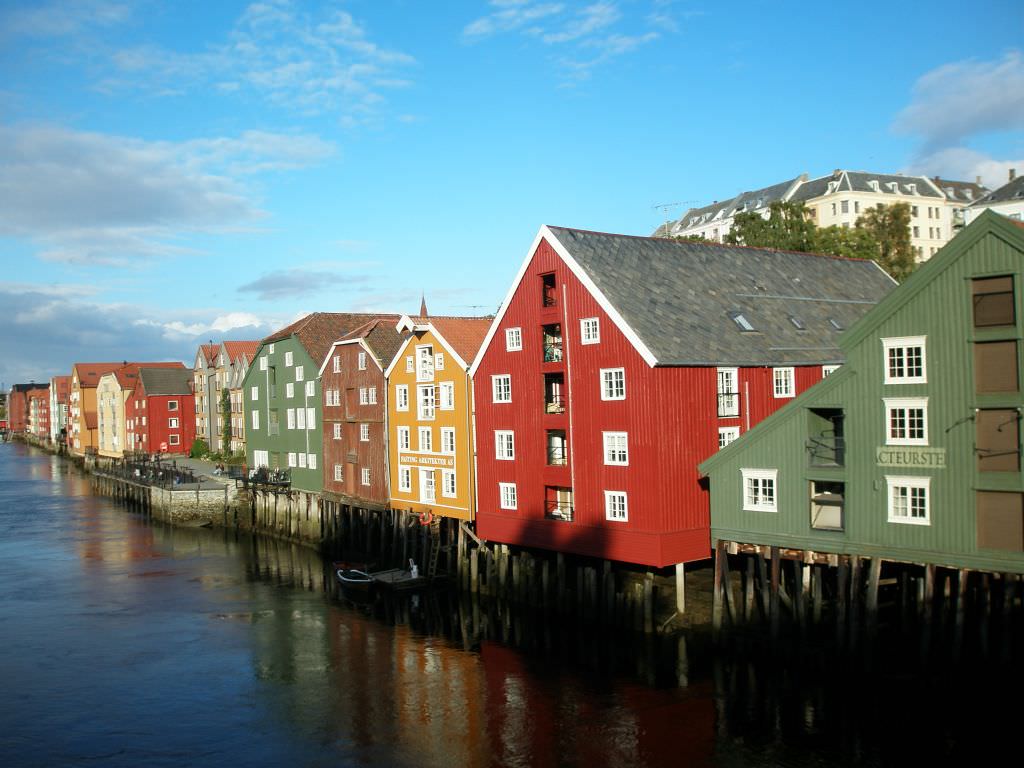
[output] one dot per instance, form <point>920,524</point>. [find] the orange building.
<point>430,416</point>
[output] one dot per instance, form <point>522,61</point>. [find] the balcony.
<point>549,292</point>
<point>558,450</point>
<point>558,504</point>
<point>827,505</point>
<point>826,445</point>
<point>554,400</point>
<point>552,337</point>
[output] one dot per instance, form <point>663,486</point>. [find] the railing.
<point>553,351</point>
<point>558,510</point>
<point>264,477</point>
<point>274,429</point>
<point>550,296</point>
<point>558,457</point>
<point>151,470</point>
<point>554,404</point>
<point>728,404</point>
<point>826,450</point>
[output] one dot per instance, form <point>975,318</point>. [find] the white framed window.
<point>174,439</point>
<point>311,418</point>
<point>446,392</point>
<point>300,374</point>
<point>255,420</point>
<point>403,438</point>
<point>362,361</point>
<point>336,368</point>
<point>501,388</point>
<point>261,458</point>
<point>507,494</point>
<point>447,440</point>
<point>337,431</point>
<point>409,365</point>
<point>759,490</point>
<point>906,420</point>
<point>439,361</point>
<point>364,475</point>
<point>504,445</point>
<point>908,500</point>
<point>300,418</point>
<point>616,448</point>
<point>172,423</point>
<point>726,435</point>
<point>288,359</point>
<point>905,361</point>
<point>590,330</point>
<point>254,393</point>
<point>364,397</point>
<point>728,392</point>
<point>426,439</point>
<point>401,397</point>
<point>782,382</point>
<point>828,370</point>
<point>290,418</point>
<point>338,471</point>
<point>425,363</point>
<point>302,460</point>
<point>364,433</point>
<point>311,389</point>
<point>448,483</point>
<point>291,459</point>
<point>425,402</point>
<point>372,395</point>
<point>263,363</point>
<point>613,383</point>
<point>311,461</point>
<point>513,339</point>
<point>615,506</point>
<point>172,405</point>
<point>404,479</point>
<point>289,390</point>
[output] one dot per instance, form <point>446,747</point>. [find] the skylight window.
<point>835,324</point>
<point>741,321</point>
<point>797,323</point>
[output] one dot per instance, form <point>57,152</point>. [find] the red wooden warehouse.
<point>616,364</point>
<point>160,413</point>
<point>353,386</point>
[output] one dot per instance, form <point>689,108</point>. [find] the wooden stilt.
<point>749,588</point>
<point>716,594</point>
<point>680,587</point>
<point>648,603</point>
<point>926,610</point>
<point>774,597</point>
<point>842,601</point>
<point>855,598</point>
<point>817,575</point>
<point>961,599</point>
<point>874,574</point>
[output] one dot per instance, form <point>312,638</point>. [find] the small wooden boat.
<point>355,584</point>
<point>398,580</point>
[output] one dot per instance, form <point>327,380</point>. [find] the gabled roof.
<point>166,381</point>
<point>89,373</point>
<point>744,201</point>
<point>128,375</point>
<point>28,388</point>
<point>236,349</point>
<point>209,353</point>
<point>318,331</point>
<point>463,336</point>
<point>378,336</point>
<point>678,301</point>
<point>1013,190</point>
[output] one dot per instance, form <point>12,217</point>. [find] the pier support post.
<point>680,588</point>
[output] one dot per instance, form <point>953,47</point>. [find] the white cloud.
<point>511,16</point>
<point>93,198</point>
<point>586,22</point>
<point>964,99</point>
<point>965,164</point>
<point>61,19</point>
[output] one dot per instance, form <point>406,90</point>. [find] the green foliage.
<point>225,421</point>
<point>690,238</point>
<point>786,228</point>
<point>199,448</point>
<point>882,234</point>
<point>889,227</point>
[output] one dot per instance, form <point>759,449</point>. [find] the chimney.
<point>1013,174</point>
<point>977,180</point>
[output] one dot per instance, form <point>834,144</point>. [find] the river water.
<point>125,642</point>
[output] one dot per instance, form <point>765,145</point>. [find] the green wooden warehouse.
<point>908,453</point>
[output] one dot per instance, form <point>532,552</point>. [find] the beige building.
<point>112,393</point>
<point>218,367</point>
<point>839,199</point>
<point>1007,200</point>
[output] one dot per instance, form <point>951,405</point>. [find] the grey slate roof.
<point>960,191</point>
<point>1013,190</point>
<point>745,201</point>
<point>166,381</point>
<point>677,296</point>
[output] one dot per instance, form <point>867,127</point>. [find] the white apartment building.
<point>1007,200</point>
<point>936,205</point>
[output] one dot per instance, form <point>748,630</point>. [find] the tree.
<point>889,227</point>
<point>851,242</point>
<point>199,448</point>
<point>786,228</point>
<point>225,421</point>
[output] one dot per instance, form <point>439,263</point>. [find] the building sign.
<point>426,460</point>
<point>906,456</point>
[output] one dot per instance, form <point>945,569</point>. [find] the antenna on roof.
<point>664,208</point>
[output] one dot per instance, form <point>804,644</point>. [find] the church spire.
<point>423,305</point>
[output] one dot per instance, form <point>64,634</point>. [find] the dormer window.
<point>741,321</point>
<point>797,323</point>
<point>894,187</point>
<point>836,325</point>
<point>873,184</point>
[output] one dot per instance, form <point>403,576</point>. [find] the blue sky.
<point>176,172</point>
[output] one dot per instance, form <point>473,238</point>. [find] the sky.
<point>172,173</point>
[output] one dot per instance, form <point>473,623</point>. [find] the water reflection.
<point>129,642</point>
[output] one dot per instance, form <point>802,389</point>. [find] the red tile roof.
<point>463,334</point>
<point>89,373</point>
<point>128,375</point>
<point>318,332</point>
<point>210,352</point>
<point>236,349</point>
